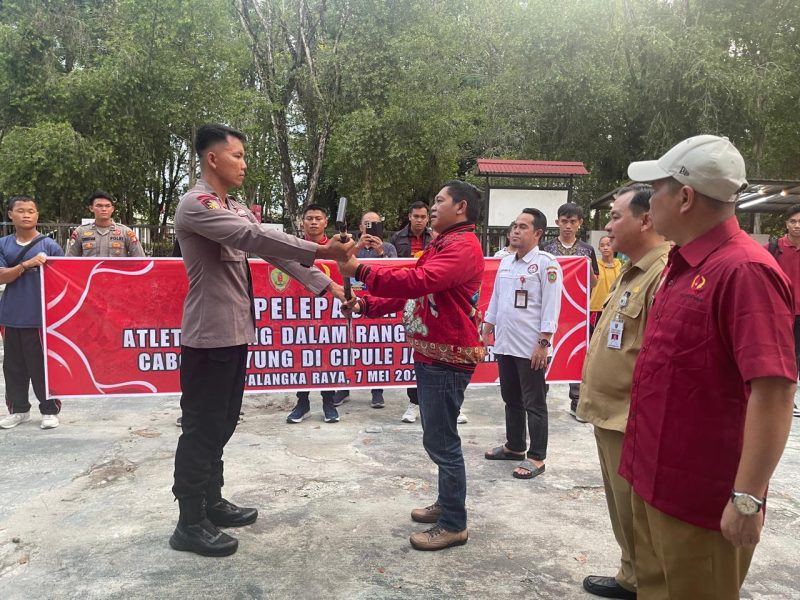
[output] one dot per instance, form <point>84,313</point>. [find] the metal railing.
<point>156,240</point>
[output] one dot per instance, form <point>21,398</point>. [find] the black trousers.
<point>523,391</point>
<point>212,385</point>
<point>23,364</point>
<point>797,341</point>
<point>412,395</point>
<point>327,396</point>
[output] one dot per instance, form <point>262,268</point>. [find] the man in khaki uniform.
<point>215,233</point>
<point>608,369</point>
<point>103,237</point>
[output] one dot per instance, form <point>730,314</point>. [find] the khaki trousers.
<point>618,498</point>
<point>679,561</point>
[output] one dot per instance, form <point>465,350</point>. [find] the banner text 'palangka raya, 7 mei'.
<point>112,327</point>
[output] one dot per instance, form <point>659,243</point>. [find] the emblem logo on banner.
<point>279,280</point>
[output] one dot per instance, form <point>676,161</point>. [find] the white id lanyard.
<point>617,326</point>
<point>521,295</point>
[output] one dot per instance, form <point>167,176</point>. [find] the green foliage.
<point>53,163</point>
<point>381,100</point>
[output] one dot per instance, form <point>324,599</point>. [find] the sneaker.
<point>49,422</point>
<point>796,412</point>
<point>438,538</point>
<point>178,421</point>
<point>410,416</point>
<point>203,538</point>
<point>462,418</point>
<point>429,514</point>
<point>15,419</point>
<point>299,413</point>
<point>331,415</point>
<point>341,397</point>
<point>377,400</point>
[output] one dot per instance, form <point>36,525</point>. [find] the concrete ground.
<point>86,509</point>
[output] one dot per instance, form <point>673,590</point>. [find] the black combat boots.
<point>196,533</point>
<point>226,514</point>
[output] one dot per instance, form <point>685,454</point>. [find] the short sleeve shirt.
<point>789,260</point>
<point>21,302</point>
<point>114,240</point>
<point>607,372</point>
<point>723,316</point>
<point>579,248</point>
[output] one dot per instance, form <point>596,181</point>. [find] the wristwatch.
<point>544,343</point>
<point>746,504</point>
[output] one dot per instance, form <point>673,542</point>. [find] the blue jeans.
<point>441,393</point>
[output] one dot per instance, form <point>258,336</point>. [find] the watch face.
<point>745,505</point>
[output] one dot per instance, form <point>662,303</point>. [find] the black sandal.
<point>500,453</point>
<point>532,469</point>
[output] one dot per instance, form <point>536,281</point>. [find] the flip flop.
<point>499,453</point>
<point>533,470</point>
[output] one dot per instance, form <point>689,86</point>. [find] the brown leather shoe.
<point>429,514</point>
<point>438,538</point>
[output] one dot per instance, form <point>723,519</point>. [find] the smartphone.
<point>374,228</point>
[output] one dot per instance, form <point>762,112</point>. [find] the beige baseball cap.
<point>708,163</point>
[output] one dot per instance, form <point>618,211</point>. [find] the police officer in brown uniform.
<point>103,237</point>
<point>215,233</point>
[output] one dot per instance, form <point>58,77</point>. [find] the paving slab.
<point>86,509</point>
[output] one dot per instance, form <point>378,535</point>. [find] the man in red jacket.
<point>440,295</point>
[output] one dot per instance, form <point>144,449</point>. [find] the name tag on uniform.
<point>521,299</point>
<point>615,334</point>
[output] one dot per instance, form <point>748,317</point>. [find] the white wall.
<point>506,204</point>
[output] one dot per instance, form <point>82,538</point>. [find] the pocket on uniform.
<point>690,336</point>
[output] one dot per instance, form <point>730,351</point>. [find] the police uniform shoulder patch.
<point>209,201</point>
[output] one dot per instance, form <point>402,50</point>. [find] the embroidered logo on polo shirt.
<point>533,269</point>
<point>698,282</point>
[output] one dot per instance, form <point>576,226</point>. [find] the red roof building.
<point>494,167</point>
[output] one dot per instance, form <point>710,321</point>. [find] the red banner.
<point>112,327</point>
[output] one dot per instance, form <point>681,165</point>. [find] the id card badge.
<point>615,334</point>
<point>521,299</point>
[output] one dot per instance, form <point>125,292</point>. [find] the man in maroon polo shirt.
<point>786,251</point>
<point>712,390</point>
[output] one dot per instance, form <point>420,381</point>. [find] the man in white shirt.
<point>523,315</point>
